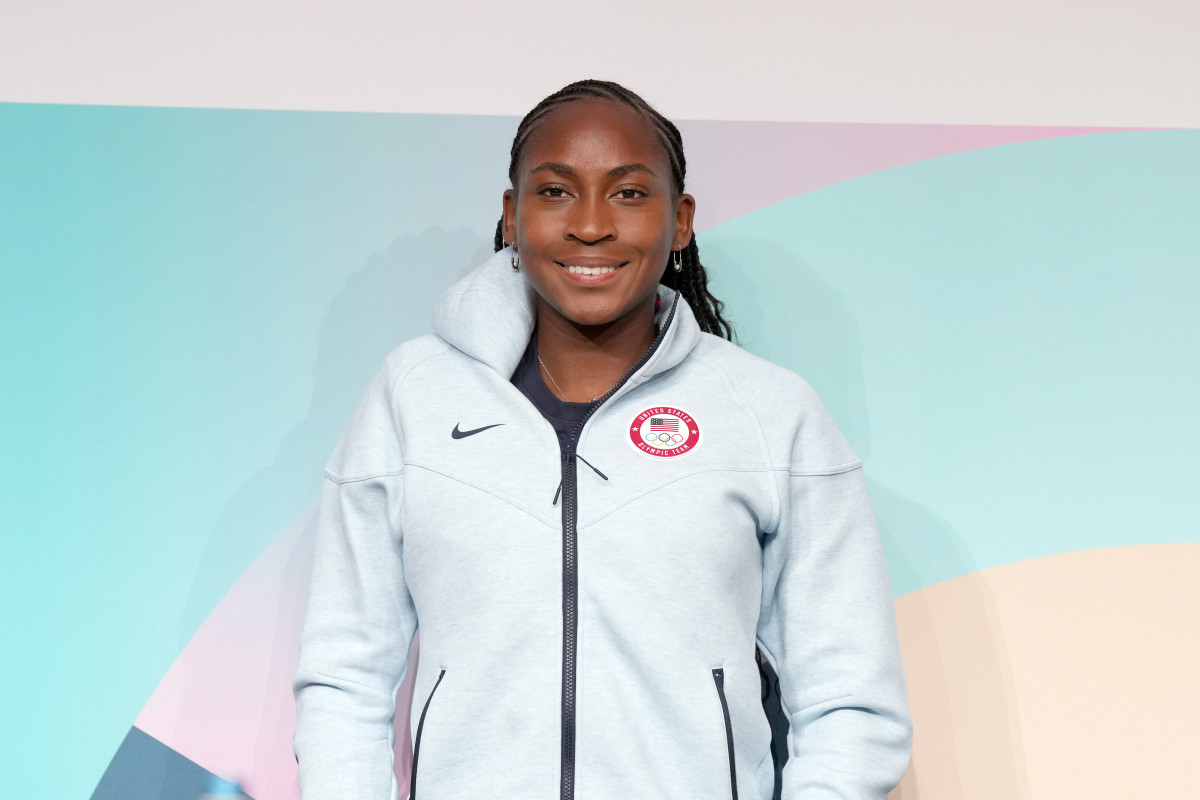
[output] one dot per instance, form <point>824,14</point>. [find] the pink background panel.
<point>735,168</point>
<point>226,703</point>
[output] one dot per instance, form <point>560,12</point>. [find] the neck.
<point>587,360</point>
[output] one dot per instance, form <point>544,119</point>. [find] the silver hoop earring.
<point>678,261</point>
<point>516,260</point>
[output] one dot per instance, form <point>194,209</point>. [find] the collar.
<point>489,315</point>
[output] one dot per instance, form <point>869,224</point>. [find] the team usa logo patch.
<point>664,432</point>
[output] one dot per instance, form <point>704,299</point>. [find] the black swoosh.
<point>457,434</point>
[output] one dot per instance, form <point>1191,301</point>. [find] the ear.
<point>685,209</point>
<point>510,216</point>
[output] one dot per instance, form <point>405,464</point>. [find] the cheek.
<point>656,241</point>
<point>537,229</point>
<point>646,229</point>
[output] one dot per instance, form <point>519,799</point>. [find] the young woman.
<point>598,511</point>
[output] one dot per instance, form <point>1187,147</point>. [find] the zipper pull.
<point>598,472</point>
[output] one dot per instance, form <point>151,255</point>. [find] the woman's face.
<point>593,214</point>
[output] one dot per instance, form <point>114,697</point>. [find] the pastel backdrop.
<point>996,301</point>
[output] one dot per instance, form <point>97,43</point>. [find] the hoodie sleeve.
<point>360,620</point>
<point>828,627</point>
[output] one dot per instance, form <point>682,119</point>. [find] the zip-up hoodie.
<point>589,613</point>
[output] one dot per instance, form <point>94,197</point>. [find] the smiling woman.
<point>597,205</point>
<point>594,626</point>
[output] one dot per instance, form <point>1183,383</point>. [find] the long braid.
<point>692,282</point>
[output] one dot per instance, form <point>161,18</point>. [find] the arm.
<point>360,620</point>
<point>828,627</point>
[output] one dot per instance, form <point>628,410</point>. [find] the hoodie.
<point>589,608</point>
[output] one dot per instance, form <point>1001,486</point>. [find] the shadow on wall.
<point>1101,653</point>
<point>966,742</point>
<point>389,300</point>
<point>962,740</point>
<point>786,312</point>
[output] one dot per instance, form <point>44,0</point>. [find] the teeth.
<point>590,270</point>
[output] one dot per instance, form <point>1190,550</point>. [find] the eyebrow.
<point>569,172</point>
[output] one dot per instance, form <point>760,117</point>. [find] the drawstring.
<point>598,472</point>
<point>558,491</point>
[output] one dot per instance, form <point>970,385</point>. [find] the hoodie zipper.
<point>719,679</point>
<point>570,571</point>
<point>412,782</point>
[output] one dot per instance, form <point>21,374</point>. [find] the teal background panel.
<point>191,302</point>
<point>1008,336</point>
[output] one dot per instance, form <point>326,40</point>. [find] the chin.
<point>591,319</point>
<point>590,314</point>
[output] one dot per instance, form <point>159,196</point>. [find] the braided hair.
<point>692,281</point>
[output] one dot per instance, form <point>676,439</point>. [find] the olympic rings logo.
<point>663,432</point>
<point>663,439</point>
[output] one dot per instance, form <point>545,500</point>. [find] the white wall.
<point>1019,62</point>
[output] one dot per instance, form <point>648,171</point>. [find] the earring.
<point>678,261</point>
<point>516,260</point>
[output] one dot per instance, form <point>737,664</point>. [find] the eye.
<point>629,193</point>
<point>552,191</point>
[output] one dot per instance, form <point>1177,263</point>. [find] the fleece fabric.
<point>589,617</point>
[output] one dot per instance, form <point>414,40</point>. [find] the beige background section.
<point>1005,62</point>
<point>1069,676</point>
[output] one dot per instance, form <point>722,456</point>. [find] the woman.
<point>597,509</point>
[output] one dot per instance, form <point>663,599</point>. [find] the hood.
<point>489,315</point>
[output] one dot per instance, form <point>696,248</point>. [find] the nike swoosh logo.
<point>457,434</point>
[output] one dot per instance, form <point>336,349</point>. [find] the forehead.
<point>597,133</point>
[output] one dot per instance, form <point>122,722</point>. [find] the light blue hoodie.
<point>597,645</point>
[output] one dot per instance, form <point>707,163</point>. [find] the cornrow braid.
<point>692,281</point>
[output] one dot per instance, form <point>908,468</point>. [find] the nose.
<point>591,220</point>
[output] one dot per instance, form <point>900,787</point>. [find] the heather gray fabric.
<point>763,533</point>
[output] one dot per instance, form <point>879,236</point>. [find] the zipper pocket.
<point>412,780</point>
<point>719,679</point>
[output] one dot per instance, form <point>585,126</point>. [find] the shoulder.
<point>406,357</point>
<point>798,428</point>
<point>372,442</point>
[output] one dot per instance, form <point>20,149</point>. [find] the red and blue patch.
<point>664,432</point>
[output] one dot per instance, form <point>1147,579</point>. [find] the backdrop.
<point>973,230</point>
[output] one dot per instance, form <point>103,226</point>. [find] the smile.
<point>576,270</point>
